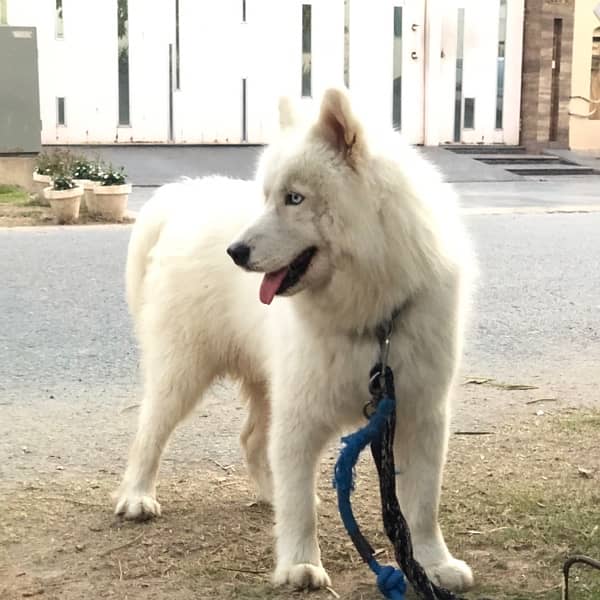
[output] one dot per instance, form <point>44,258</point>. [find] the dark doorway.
<point>555,89</point>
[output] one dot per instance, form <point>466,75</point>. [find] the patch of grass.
<point>581,422</point>
<point>529,507</point>
<point>12,194</point>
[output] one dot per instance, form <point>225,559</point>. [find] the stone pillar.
<point>536,93</point>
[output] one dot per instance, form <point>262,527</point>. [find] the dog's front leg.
<point>420,452</point>
<point>297,439</point>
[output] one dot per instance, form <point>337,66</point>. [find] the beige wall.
<point>584,132</point>
<point>17,170</point>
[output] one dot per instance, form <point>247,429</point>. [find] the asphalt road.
<point>64,320</point>
<point>69,364</point>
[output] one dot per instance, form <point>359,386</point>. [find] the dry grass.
<point>515,505</point>
<point>32,215</point>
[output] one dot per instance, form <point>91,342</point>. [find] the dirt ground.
<point>517,501</point>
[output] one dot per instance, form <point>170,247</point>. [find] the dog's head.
<point>313,182</point>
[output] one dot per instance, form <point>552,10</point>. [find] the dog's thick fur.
<point>387,232</point>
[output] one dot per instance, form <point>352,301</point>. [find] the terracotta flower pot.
<point>40,183</point>
<point>110,201</point>
<point>65,203</point>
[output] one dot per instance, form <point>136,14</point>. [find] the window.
<point>123,61</point>
<point>397,85</point>
<point>3,18</point>
<point>171,127</point>
<point>60,111</point>
<point>460,44</point>
<point>244,112</point>
<point>347,43</point>
<point>469,118</point>
<point>177,78</point>
<point>59,23</point>
<point>306,50</point>
<point>595,77</point>
<point>500,65</point>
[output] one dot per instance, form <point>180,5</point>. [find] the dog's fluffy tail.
<point>146,233</point>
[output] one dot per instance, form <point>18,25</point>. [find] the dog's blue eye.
<point>294,198</point>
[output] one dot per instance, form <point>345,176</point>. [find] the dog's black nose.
<point>240,253</point>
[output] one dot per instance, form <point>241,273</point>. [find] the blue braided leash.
<point>389,580</point>
<point>379,434</point>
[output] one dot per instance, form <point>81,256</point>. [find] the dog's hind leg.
<point>254,438</point>
<point>172,388</point>
<point>420,451</point>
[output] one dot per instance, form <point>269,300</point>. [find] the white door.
<point>386,61</point>
<point>480,71</point>
<point>408,69</point>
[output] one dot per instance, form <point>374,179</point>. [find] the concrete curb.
<point>532,210</point>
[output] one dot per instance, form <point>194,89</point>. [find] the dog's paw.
<point>453,574</point>
<point>302,576</point>
<point>137,507</point>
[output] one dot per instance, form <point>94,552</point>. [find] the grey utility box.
<point>20,124</point>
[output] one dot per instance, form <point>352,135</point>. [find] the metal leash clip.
<point>376,391</point>
<point>385,351</point>
<point>377,379</point>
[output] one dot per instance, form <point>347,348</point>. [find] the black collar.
<point>384,328</point>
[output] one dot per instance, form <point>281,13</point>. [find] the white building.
<point>202,71</point>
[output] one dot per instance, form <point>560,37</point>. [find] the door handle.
<point>414,26</point>
<point>414,55</point>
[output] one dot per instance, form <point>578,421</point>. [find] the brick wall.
<point>537,73</point>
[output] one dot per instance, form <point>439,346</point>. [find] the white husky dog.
<point>348,226</point>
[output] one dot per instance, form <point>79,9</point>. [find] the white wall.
<point>217,50</point>
<point>78,67</point>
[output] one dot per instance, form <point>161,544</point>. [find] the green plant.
<point>82,168</point>
<point>43,163</point>
<point>97,168</point>
<point>112,176</point>
<point>55,162</point>
<point>63,182</point>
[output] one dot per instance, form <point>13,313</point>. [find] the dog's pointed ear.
<point>338,126</point>
<point>288,115</point>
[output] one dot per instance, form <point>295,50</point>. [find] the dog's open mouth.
<point>279,281</point>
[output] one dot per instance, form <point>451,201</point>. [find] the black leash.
<point>396,527</point>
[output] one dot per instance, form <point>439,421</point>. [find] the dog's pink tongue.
<point>270,284</point>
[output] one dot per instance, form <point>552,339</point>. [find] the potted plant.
<point>82,171</point>
<point>42,176</point>
<point>65,198</point>
<point>111,194</point>
<point>91,201</point>
<point>49,164</point>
